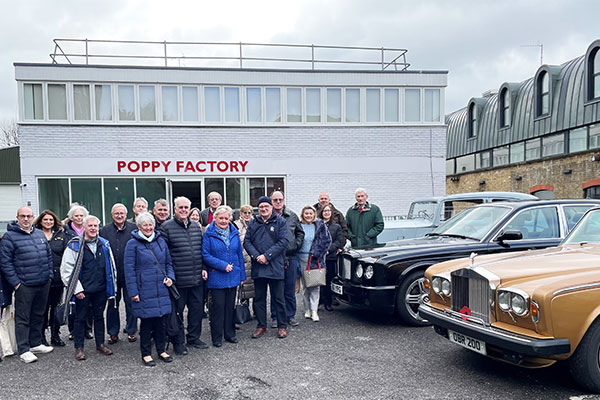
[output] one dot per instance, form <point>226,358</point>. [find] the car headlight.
<point>504,301</point>
<point>446,287</point>
<point>436,284</point>
<point>514,300</point>
<point>518,304</point>
<point>359,271</point>
<point>369,271</point>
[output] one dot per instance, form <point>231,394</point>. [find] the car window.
<point>474,222</point>
<point>588,229</point>
<point>574,214</point>
<point>422,209</point>
<point>451,208</point>
<point>535,223</point>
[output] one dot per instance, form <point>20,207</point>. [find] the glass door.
<point>190,189</point>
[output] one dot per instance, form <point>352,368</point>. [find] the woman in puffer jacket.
<point>148,273</point>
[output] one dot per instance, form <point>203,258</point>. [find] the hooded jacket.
<point>217,255</point>
<point>271,239</point>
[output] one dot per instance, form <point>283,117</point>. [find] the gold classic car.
<point>529,308</point>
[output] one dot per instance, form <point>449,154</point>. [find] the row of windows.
<point>129,103</point>
<point>99,194</point>
<point>573,141</point>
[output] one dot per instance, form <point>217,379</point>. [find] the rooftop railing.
<point>227,55</point>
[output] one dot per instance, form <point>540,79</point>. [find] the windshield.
<point>422,209</point>
<point>472,223</point>
<point>587,230</point>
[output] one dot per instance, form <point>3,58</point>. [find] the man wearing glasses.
<point>26,261</point>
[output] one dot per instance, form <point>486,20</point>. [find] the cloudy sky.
<point>480,42</point>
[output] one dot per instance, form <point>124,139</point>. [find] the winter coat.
<point>118,239</point>
<point>248,286</point>
<point>295,231</point>
<point>217,255</point>
<point>365,226</point>
<point>204,216</point>
<point>25,257</point>
<point>338,217</point>
<point>269,238</point>
<point>185,246</point>
<point>58,243</point>
<point>337,240</point>
<point>144,277</point>
<point>5,289</point>
<point>69,231</point>
<point>320,244</point>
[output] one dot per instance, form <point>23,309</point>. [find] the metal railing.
<point>237,55</point>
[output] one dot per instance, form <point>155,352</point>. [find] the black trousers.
<point>54,298</point>
<point>30,304</point>
<point>152,328</point>
<point>193,298</point>
<point>260,301</point>
<point>222,310</point>
<point>113,319</point>
<point>329,274</point>
<point>96,303</point>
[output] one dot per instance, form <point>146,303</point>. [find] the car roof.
<point>523,204</point>
<point>481,195</point>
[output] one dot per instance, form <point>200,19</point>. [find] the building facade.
<point>540,136</point>
<point>100,134</point>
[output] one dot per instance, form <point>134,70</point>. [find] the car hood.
<point>408,245</point>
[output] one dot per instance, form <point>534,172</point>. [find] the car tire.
<point>407,299</point>
<point>584,364</point>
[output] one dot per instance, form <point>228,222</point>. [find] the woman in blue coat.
<point>148,273</point>
<point>222,254</point>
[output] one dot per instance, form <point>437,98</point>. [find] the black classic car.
<point>389,278</point>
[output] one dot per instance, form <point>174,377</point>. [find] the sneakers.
<point>41,349</point>
<point>28,357</point>
<point>307,314</point>
<point>314,316</point>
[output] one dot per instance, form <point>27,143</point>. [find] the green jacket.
<point>365,226</point>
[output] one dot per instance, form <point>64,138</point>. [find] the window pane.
<point>594,136</point>
<point>190,103</point>
<point>234,192</point>
<point>212,104</point>
<point>170,109</point>
<point>500,156</point>
<point>257,189</point>
<point>597,85</point>
<point>126,103</point>
<point>532,149</point>
<point>253,104</point>
<point>151,189</point>
<point>517,152</point>
<point>536,223</point>
<point>412,105</point>
<point>482,160</point>
<point>213,185</point>
<point>118,190</point>
<point>274,184</point>
<point>577,140</point>
<point>574,214</point>
<point>103,102</point>
<point>545,107</point>
<point>465,163</point>
<point>273,103</point>
<point>32,96</point>
<point>554,144</point>
<point>232,104</point>
<point>54,195</point>
<point>392,105</point>
<point>352,105</point>
<point>373,105</point>
<point>147,103</point>
<point>313,105</point>
<point>450,167</point>
<point>432,105</point>
<point>294,105</point>
<point>334,105</point>
<point>88,193</point>
<point>57,102</point>
<point>505,108</point>
<point>82,103</point>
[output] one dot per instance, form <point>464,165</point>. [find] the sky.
<point>481,43</point>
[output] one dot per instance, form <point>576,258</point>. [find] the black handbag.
<point>242,309</point>
<point>59,313</point>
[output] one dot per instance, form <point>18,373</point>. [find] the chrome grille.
<point>344,267</point>
<point>473,291</point>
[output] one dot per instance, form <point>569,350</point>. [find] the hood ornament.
<point>472,257</point>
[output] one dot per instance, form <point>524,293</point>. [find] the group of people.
<point>161,266</point>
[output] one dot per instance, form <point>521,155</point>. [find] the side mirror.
<point>510,235</point>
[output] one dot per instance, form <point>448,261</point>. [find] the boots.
<point>55,338</point>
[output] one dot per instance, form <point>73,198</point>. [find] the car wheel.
<point>408,298</point>
<point>584,364</point>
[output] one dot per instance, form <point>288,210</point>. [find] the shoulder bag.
<point>65,309</point>
<point>314,277</point>
<point>172,289</point>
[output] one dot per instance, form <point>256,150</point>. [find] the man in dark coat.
<point>26,262</point>
<point>118,234</point>
<point>214,200</point>
<point>184,238</point>
<point>266,241</point>
<point>337,217</point>
<point>365,221</point>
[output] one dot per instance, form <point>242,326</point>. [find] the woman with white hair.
<point>74,223</point>
<point>148,274</point>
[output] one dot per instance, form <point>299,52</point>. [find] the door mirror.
<point>510,235</point>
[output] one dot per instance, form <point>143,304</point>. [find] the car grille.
<point>469,289</point>
<point>345,267</point>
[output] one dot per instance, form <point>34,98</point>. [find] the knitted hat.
<point>264,199</point>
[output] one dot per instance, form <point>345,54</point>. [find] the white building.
<point>100,134</point>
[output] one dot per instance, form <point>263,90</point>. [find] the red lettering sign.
<point>180,166</point>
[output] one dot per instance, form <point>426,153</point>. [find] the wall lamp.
<point>518,178</point>
<point>567,171</point>
<point>482,182</point>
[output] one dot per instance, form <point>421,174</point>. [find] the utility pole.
<point>541,46</point>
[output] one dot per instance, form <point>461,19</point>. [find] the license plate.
<point>335,288</point>
<point>467,342</point>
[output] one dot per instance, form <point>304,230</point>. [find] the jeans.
<point>260,301</point>
<point>113,320</point>
<point>96,303</point>
<point>30,304</point>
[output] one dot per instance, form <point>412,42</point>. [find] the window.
<point>592,192</point>
<point>352,105</point>
<point>257,189</point>
<point>465,163</point>
<point>82,103</point>
<point>86,191</point>
<point>533,149</point>
<point>483,160</point>
<point>517,152</point>
<point>313,105</point>
<point>500,156</point>
<point>334,105</point>
<point>373,105</point>
<point>119,190</point>
<point>543,94</point>
<point>147,96</point>
<point>189,98</point>
<point>103,102</point>
<point>577,140</point>
<point>392,105</point>
<point>126,103</point>
<point>215,185</point>
<point>273,105</point>
<point>232,104</point>
<point>594,138</point>
<point>412,105</point>
<point>504,108</point>
<point>34,105</point>
<point>596,72</point>
<point>234,189</point>
<point>57,102</point>
<point>54,195</point>
<point>574,214</point>
<point>170,108</point>
<point>151,189</point>
<point>593,74</point>
<point>432,105</point>
<point>212,104</point>
<point>274,184</point>
<point>472,120</point>
<point>553,145</point>
<point>294,105</point>
<point>253,105</point>
<point>535,223</point>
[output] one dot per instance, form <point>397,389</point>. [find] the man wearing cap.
<point>266,241</point>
